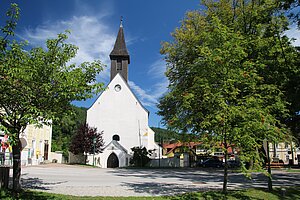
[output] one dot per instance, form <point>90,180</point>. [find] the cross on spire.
<point>121,21</point>
<point>119,56</point>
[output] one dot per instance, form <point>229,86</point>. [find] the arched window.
<point>116,137</point>
<point>119,65</point>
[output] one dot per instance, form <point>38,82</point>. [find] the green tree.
<point>140,157</point>
<point>163,135</point>
<point>87,140</point>
<point>37,85</point>
<point>292,6</point>
<point>65,128</point>
<point>228,68</point>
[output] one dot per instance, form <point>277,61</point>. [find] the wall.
<point>76,159</point>
<point>58,156</point>
<point>121,113</point>
<point>165,162</point>
<point>33,152</point>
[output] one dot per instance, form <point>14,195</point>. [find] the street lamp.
<point>94,143</point>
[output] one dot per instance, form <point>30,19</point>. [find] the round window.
<point>116,137</point>
<point>117,88</point>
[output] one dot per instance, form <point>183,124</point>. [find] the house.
<point>36,143</point>
<point>119,114</point>
<point>195,151</point>
<point>283,152</point>
<point>36,146</point>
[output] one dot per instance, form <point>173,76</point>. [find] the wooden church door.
<point>112,161</point>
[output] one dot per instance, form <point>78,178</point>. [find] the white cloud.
<point>95,40</point>
<point>146,98</point>
<point>294,33</point>
<point>93,37</point>
<point>150,96</point>
<point>157,72</point>
<point>157,69</point>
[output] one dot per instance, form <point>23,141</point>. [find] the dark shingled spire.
<point>120,49</point>
<point>119,56</point>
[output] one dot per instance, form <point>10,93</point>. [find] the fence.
<point>176,161</point>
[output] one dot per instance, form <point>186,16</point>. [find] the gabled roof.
<point>135,96</point>
<point>117,145</point>
<point>120,49</point>
<point>173,146</point>
<point>129,90</point>
<point>179,144</point>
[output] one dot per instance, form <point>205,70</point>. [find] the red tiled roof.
<point>179,144</point>
<point>191,145</point>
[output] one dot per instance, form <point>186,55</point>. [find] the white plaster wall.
<point>39,135</point>
<point>58,156</point>
<point>101,159</point>
<point>119,113</point>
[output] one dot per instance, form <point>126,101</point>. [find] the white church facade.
<point>120,115</point>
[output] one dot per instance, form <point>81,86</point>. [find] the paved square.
<point>88,181</point>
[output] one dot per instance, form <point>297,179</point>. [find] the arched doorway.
<point>112,161</point>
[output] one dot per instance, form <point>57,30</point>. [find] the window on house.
<point>33,143</point>
<point>119,65</point>
<point>286,145</point>
<point>41,147</point>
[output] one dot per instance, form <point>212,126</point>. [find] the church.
<point>120,115</point>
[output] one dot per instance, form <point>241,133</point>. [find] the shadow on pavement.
<point>161,189</point>
<point>36,183</point>
<point>198,180</point>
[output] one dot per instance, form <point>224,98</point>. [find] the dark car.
<point>211,163</point>
<point>233,164</point>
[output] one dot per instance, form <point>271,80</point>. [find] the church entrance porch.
<point>112,161</point>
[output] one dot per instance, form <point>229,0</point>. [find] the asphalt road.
<point>88,181</point>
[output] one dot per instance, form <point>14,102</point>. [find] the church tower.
<point>119,56</point>
<point>120,115</point>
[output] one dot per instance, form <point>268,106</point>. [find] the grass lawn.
<point>291,193</point>
<point>293,170</point>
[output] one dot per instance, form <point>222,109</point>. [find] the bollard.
<point>4,177</point>
<point>283,191</point>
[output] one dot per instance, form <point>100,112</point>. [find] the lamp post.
<point>94,143</point>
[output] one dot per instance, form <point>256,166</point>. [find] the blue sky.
<point>94,25</point>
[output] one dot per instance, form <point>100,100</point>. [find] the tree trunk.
<point>250,164</point>
<point>292,151</point>
<point>16,165</point>
<point>225,170</point>
<point>269,168</point>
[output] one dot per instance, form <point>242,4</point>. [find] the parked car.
<point>211,163</point>
<point>233,163</point>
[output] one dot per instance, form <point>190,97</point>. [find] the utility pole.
<point>140,138</point>
<point>159,145</point>
<point>94,143</point>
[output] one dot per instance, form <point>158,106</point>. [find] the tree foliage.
<point>65,128</point>
<point>37,85</point>
<point>140,157</point>
<point>292,7</point>
<point>230,67</point>
<point>163,135</point>
<point>87,140</point>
